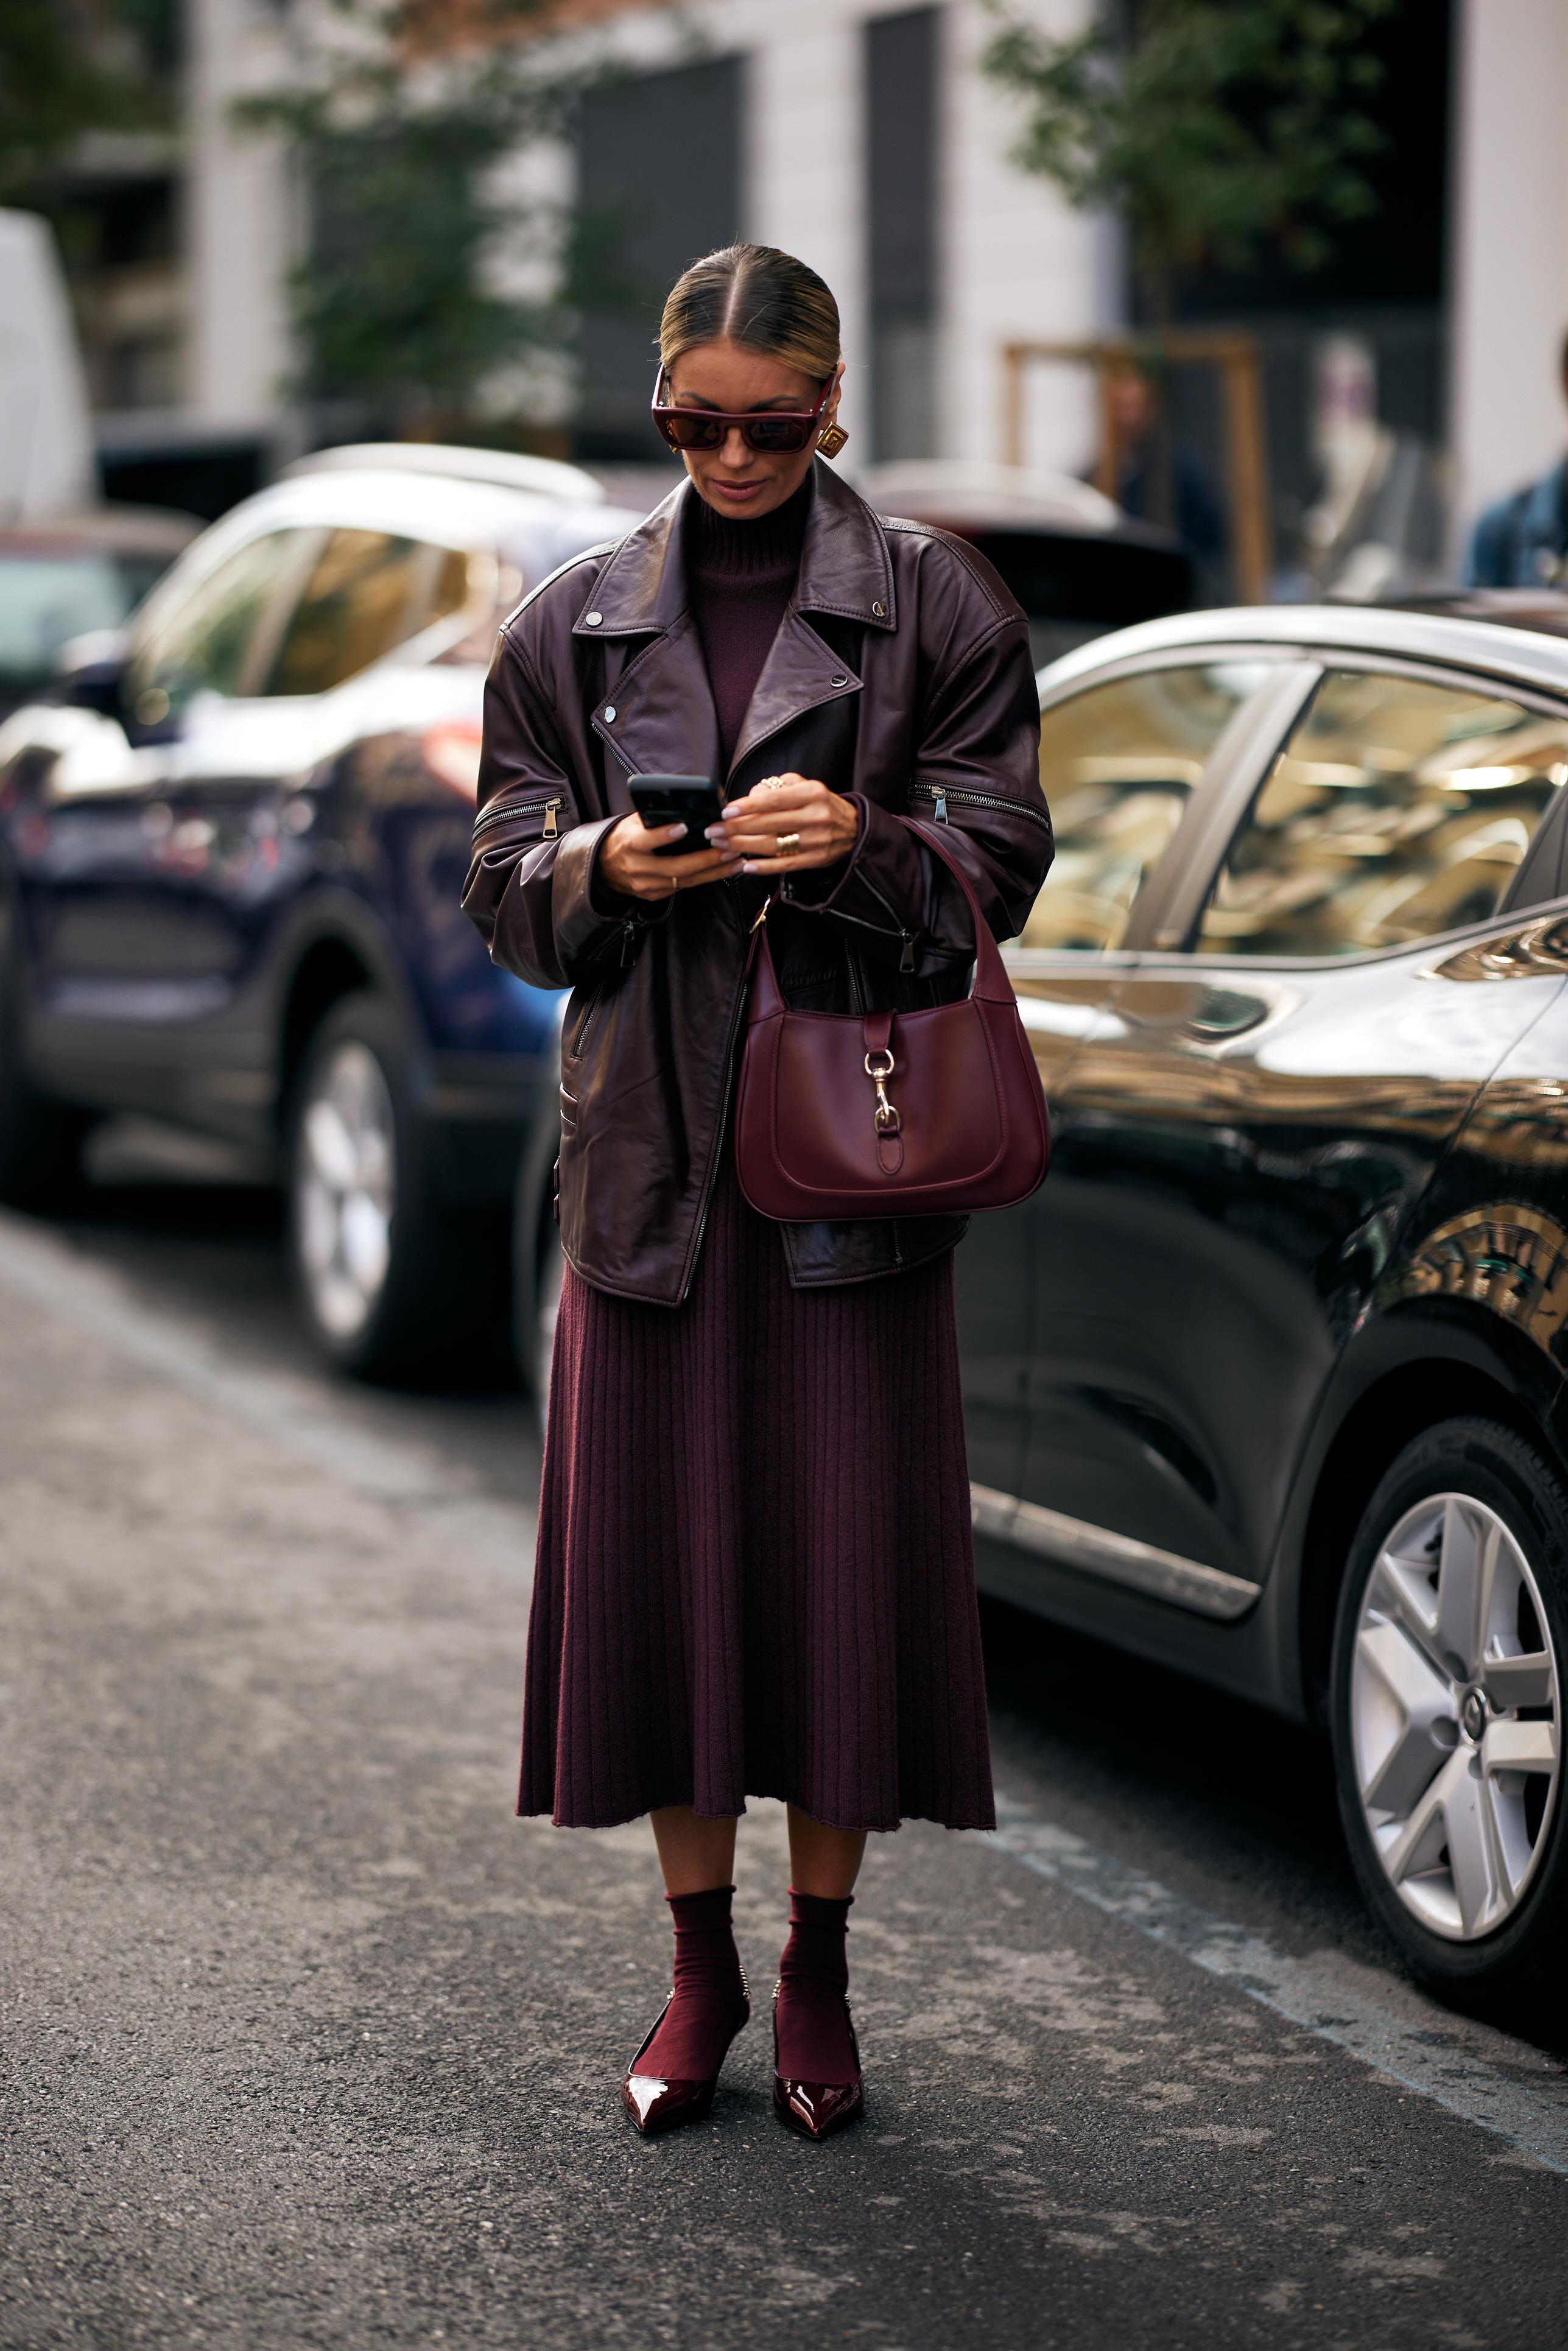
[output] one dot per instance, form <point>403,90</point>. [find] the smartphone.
<point>691,800</point>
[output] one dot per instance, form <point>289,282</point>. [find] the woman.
<point>755,1570</point>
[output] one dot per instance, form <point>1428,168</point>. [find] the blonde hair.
<point>755,295</point>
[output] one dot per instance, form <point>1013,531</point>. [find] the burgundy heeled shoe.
<point>816,2109</point>
<point>656,2104</point>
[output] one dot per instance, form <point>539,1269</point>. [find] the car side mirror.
<point>91,669</point>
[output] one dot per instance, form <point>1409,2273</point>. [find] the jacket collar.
<point>844,566</point>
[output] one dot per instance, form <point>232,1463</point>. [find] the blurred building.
<point>865,139</point>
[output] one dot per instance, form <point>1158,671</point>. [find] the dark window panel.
<point>660,184</point>
<point>902,82</point>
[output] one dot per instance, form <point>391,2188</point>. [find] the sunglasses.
<point>773,432</point>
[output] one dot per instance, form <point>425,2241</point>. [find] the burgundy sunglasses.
<point>774,432</point>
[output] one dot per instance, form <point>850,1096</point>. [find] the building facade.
<point>866,139</point>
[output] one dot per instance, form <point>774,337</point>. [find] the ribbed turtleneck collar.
<point>743,549</point>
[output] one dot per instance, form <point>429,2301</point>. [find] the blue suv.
<point>230,861</point>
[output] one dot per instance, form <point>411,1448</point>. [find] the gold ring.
<point>786,843</point>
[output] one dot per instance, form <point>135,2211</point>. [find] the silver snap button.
<point>839,681</point>
<point>610,713</point>
<point>880,611</point>
<point>592,619</point>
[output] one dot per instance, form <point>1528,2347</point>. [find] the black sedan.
<point>1268,1382</point>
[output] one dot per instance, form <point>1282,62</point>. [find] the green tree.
<point>1214,130</point>
<point>399,133</point>
<point>69,67</point>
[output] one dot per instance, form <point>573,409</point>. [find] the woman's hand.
<point>789,824</point>
<point>628,865</point>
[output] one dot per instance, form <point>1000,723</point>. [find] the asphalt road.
<point>305,2040</point>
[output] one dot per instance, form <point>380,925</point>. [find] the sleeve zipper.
<point>942,793</point>
<point>493,817</point>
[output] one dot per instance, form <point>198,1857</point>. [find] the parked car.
<point>1268,1382</point>
<point>230,861</point>
<point>62,575</point>
<point>1077,564</point>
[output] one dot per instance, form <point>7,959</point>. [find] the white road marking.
<point>1534,2121</point>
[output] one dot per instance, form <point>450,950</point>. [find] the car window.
<point>1397,810</point>
<point>368,594</point>
<point>204,643</point>
<point>50,595</point>
<point>1118,763</point>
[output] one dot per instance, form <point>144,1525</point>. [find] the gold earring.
<point>831,439</point>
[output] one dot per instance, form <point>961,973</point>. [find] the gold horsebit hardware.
<point>884,1117</point>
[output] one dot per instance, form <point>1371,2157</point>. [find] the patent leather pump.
<point>816,2109</point>
<point>656,2104</point>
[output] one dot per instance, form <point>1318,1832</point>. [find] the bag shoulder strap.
<point>991,979</point>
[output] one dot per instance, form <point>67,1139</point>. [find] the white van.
<point>46,431</point>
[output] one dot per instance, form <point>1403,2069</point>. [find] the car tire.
<point>40,1141</point>
<point>1450,1642</point>
<point>394,1283</point>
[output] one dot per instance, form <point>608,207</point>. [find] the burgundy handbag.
<point>843,1115</point>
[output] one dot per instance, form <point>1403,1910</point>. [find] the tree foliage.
<point>405,128</point>
<point>1214,130</point>
<point>70,67</point>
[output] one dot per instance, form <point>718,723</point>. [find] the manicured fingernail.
<point>747,865</point>
<point>718,835</point>
<point>673,832</point>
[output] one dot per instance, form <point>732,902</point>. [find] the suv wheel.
<point>1450,1648</point>
<point>394,1284</point>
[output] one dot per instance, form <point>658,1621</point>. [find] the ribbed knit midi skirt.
<point>756,1570</point>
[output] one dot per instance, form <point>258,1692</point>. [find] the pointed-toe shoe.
<point>656,2104</point>
<point>816,2109</point>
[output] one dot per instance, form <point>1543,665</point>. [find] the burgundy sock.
<point>813,1980</point>
<point>699,2022</point>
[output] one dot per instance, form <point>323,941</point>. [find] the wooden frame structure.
<point>1239,360</point>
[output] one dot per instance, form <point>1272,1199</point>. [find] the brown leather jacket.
<point>900,675</point>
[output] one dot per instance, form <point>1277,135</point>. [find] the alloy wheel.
<point>1456,1715</point>
<point>346,1182</point>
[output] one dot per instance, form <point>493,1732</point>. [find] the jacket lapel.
<point>800,674</point>
<point>844,570</point>
<point>658,715</point>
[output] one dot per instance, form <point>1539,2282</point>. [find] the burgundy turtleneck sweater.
<point>741,575</point>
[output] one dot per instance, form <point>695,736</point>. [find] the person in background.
<point>1189,505</point>
<point>1522,540</point>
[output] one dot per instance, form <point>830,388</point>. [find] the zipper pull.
<point>939,794</point>
<point>628,943</point>
<point>552,832</point>
<point>906,960</point>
